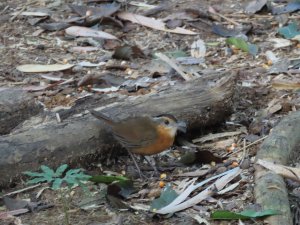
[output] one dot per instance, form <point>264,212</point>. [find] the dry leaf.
<point>36,68</point>
<point>280,42</point>
<point>83,49</point>
<point>198,49</point>
<point>285,85</point>
<point>152,23</point>
<point>38,14</point>
<point>52,78</point>
<point>285,171</point>
<point>104,90</point>
<point>182,201</point>
<point>88,32</point>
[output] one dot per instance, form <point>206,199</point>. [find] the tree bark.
<point>279,147</point>
<point>15,107</point>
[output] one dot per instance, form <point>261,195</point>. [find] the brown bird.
<point>144,135</point>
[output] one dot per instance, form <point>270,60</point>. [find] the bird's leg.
<point>142,176</point>
<point>153,166</point>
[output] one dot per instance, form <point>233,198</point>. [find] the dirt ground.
<point>254,94</point>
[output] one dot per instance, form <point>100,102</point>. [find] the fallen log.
<point>280,147</point>
<point>82,138</point>
<point>16,106</point>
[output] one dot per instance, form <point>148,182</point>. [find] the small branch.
<point>176,67</point>
<point>21,190</point>
<point>226,18</point>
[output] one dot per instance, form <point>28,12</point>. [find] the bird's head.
<point>170,123</point>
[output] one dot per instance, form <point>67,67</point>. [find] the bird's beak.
<point>182,126</point>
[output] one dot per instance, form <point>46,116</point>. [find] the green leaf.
<point>289,31</point>
<point>83,176</point>
<point>107,179</point>
<point>49,177</point>
<point>47,170</point>
<point>33,174</point>
<point>174,54</point>
<point>243,45</point>
<point>238,42</point>
<point>166,197</point>
<point>59,171</point>
<point>70,181</point>
<point>247,214</point>
<point>78,176</point>
<point>37,180</point>
<point>72,171</point>
<point>57,183</point>
<point>254,214</point>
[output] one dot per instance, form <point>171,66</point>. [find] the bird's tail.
<point>102,117</point>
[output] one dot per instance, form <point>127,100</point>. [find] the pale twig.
<point>18,13</point>
<point>21,190</point>
<point>172,64</point>
<point>248,16</point>
<point>21,10</point>
<point>3,11</point>
<point>226,18</point>
<point>253,143</point>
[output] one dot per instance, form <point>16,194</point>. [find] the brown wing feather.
<point>135,132</point>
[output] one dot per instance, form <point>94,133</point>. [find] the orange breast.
<point>164,141</point>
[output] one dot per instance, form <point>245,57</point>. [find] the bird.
<point>144,135</point>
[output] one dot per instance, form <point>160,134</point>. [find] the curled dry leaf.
<point>198,49</point>
<point>285,171</point>
<point>88,32</point>
<point>255,6</point>
<point>271,57</point>
<point>102,11</point>
<point>180,203</point>
<point>280,42</point>
<point>152,23</point>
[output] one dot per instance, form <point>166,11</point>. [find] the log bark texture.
<point>82,138</point>
<point>16,106</point>
<point>270,189</point>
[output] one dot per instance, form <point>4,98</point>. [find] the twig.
<point>6,7</point>
<point>22,190</point>
<point>247,16</point>
<point>22,10</point>
<point>253,143</point>
<point>244,151</point>
<point>171,63</point>
<point>226,18</point>
<point>18,13</point>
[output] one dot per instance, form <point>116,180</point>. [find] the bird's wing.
<point>135,132</point>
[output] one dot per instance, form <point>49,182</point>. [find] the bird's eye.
<point>167,122</point>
